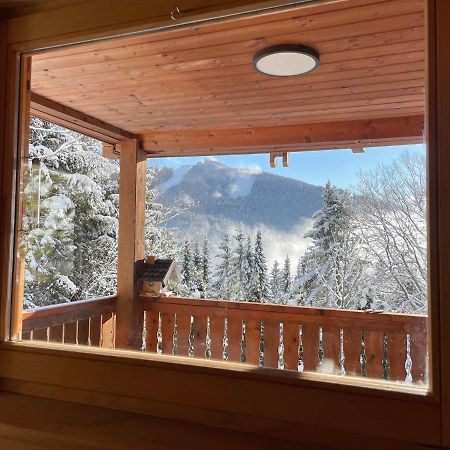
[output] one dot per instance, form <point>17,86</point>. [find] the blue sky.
<point>316,167</point>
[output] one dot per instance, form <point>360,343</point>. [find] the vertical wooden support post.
<point>129,313</point>
<point>24,138</point>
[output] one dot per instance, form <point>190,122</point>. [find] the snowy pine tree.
<point>187,267</point>
<point>205,268</point>
<point>71,218</point>
<point>223,286</point>
<point>335,261</point>
<point>286,280</point>
<point>260,270</point>
<point>239,267</point>
<point>275,287</point>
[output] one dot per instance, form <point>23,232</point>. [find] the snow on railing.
<point>358,343</point>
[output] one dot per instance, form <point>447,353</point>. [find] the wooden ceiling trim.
<point>310,10</point>
<point>74,120</point>
<point>301,137</point>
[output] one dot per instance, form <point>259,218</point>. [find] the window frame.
<point>31,368</point>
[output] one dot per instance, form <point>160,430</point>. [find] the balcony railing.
<point>88,322</point>
<point>376,345</point>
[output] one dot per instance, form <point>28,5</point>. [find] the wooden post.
<point>129,314</point>
<point>24,138</point>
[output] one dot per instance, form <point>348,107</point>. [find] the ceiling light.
<point>286,60</point>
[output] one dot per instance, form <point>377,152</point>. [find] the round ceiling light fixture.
<point>286,60</point>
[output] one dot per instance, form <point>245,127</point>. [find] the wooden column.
<point>129,319</point>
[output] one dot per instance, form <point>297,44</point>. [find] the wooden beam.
<point>318,136</point>
<point>72,119</point>
<point>133,171</point>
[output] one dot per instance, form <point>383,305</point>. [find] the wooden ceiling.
<point>168,85</point>
<point>12,8</point>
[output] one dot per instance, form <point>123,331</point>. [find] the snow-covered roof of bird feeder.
<point>158,270</point>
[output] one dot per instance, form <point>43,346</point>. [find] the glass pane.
<point>279,222</point>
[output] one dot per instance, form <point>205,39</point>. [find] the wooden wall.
<point>76,399</point>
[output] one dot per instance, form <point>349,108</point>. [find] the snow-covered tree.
<point>223,286</point>
<point>206,268</point>
<point>187,272</point>
<point>335,262</point>
<point>71,218</point>
<point>286,280</point>
<point>239,267</point>
<point>275,287</point>
<point>260,269</point>
<point>391,206</point>
<point>160,240</point>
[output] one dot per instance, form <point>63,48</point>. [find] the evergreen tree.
<point>197,270</point>
<point>223,286</point>
<point>71,218</point>
<point>260,270</point>
<point>205,267</point>
<point>186,266</point>
<point>250,278</point>
<point>334,262</point>
<point>239,267</point>
<point>286,281</point>
<point>275,288</point>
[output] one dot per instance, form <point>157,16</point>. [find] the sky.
<point>340,167</point>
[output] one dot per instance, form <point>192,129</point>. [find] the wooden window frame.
<point>226,396</point>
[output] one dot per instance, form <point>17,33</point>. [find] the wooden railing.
<point>377,345</point>
<point>88,322</point>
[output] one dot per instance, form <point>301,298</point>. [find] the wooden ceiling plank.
<point>258,96</point>
<point>233,83</point>
<point>290,111</point>
<point>164,60</point>
<point>269,99</point>
<point>392,74</point>
<point>188,124</point>
<point>76,121</point>
<point>373,65</point>
<point>363,36</point>
<point>364,132</point>
<point>177,33</point>
<point>386,15</point>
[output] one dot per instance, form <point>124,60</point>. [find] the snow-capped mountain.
<point>220,198</point>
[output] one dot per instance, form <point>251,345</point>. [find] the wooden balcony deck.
<point>376,345</point>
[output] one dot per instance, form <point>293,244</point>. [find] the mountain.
<point>218,198</point>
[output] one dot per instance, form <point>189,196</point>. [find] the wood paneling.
<point>202,78</point>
